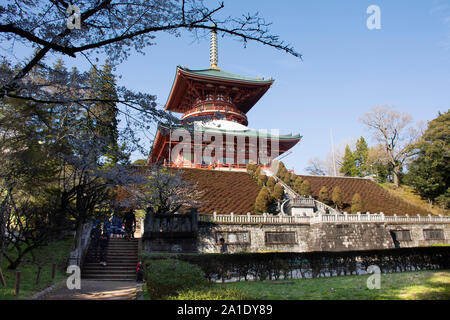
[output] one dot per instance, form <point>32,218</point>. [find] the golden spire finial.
<point>213,51</point>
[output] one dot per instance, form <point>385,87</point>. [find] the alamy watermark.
<point>374,20</point>
<point>74,280</point>
<point>374,281</point>
<point>74,20</point>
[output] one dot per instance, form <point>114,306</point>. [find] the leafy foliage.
<point>167,277</point>
<point>262,266</point>
<point>323,195</point>
<point>305,188</point>
<point>357,203</point>
<point>262,201</point>
<point>336,197</point>
<point>429,171</point>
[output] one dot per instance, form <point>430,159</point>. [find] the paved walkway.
<point>96,290</point>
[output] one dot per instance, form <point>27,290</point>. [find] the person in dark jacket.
<point>103,243</point>
<point>223,246</point>
<point>130,223</point>
<point>139,272</point>
<point>95,237</point>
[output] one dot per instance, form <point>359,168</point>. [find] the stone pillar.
<point>148,222</point>
<point>194,219</point>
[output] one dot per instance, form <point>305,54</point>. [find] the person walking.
<point>95,237</point>
<point>130,224</point>
<point>103,243</point>
<point>139,272</point>
<point>223,246</point>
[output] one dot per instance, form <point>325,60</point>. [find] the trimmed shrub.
<point>271,183</point>
<point>262,179</point>
<point>262,200</point>
<point>262,266</point>
<point>323,195</point>
<point>278,192</point>
<point>297,184</point>
<point>357,203</point>
<point>305,188</point>
<point>336,197</point>
<point>167,277</point>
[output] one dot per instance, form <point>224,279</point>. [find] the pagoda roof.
<point>217,73</point>
<point>182,87</point>
<point>248,132</point>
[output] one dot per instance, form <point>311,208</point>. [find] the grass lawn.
<point>54,252</point>
<point>408,194</point>
<point>421,285</point>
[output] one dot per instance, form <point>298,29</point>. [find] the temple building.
<point>212,131</point>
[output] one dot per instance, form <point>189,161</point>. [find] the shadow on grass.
<point>421,285</point>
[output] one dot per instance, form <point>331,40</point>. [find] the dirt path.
<point>96,290</point>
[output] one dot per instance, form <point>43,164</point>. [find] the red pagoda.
<point>214,103</point>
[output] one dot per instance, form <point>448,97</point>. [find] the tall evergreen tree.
<point>430,171</point>
<point>102,115</point>
<point>348,164</point>
<point>361,156</point>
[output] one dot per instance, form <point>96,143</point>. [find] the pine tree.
<point>323,195</point>
<point>102,116</point>
<point>337,198</point>
<point>430,171</point>
<point>262,200</point>
<point>297,184</point>
<point>357,203</point>
<point>292,179</point>
<point>361,156</point>
<point>278,192</point>
<point>305,188</point>
<point>348,163</point>
<point>271,183</point>
<point>262,179</point>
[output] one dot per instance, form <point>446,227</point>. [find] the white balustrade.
<point>319,218</point>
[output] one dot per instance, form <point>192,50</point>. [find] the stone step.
<point>110,279</point>
<point>109,272</point>
<point>107,277</point>
<point>98,266</point>
<point>114,258</point>
<point>117,263</point>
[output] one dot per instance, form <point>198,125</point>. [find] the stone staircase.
<point>122,260</point>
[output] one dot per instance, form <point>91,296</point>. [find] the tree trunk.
<point>395,171</point>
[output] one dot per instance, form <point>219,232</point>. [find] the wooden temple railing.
<point>209,166</point>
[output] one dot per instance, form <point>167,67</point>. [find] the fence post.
<point>38,277</point>
<point>17,286</point>
<point>2,279</point>
<point>382,216</point>
<point>214,216</point>
<point>53,270</point>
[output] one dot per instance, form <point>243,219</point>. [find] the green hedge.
<point>275,265</point>
<point>166,277</point>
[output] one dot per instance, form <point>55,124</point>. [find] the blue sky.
<point>346,68</point>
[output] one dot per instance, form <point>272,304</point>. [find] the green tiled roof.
<point>225,75</point>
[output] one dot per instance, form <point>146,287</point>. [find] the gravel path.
<point>97,290</point>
